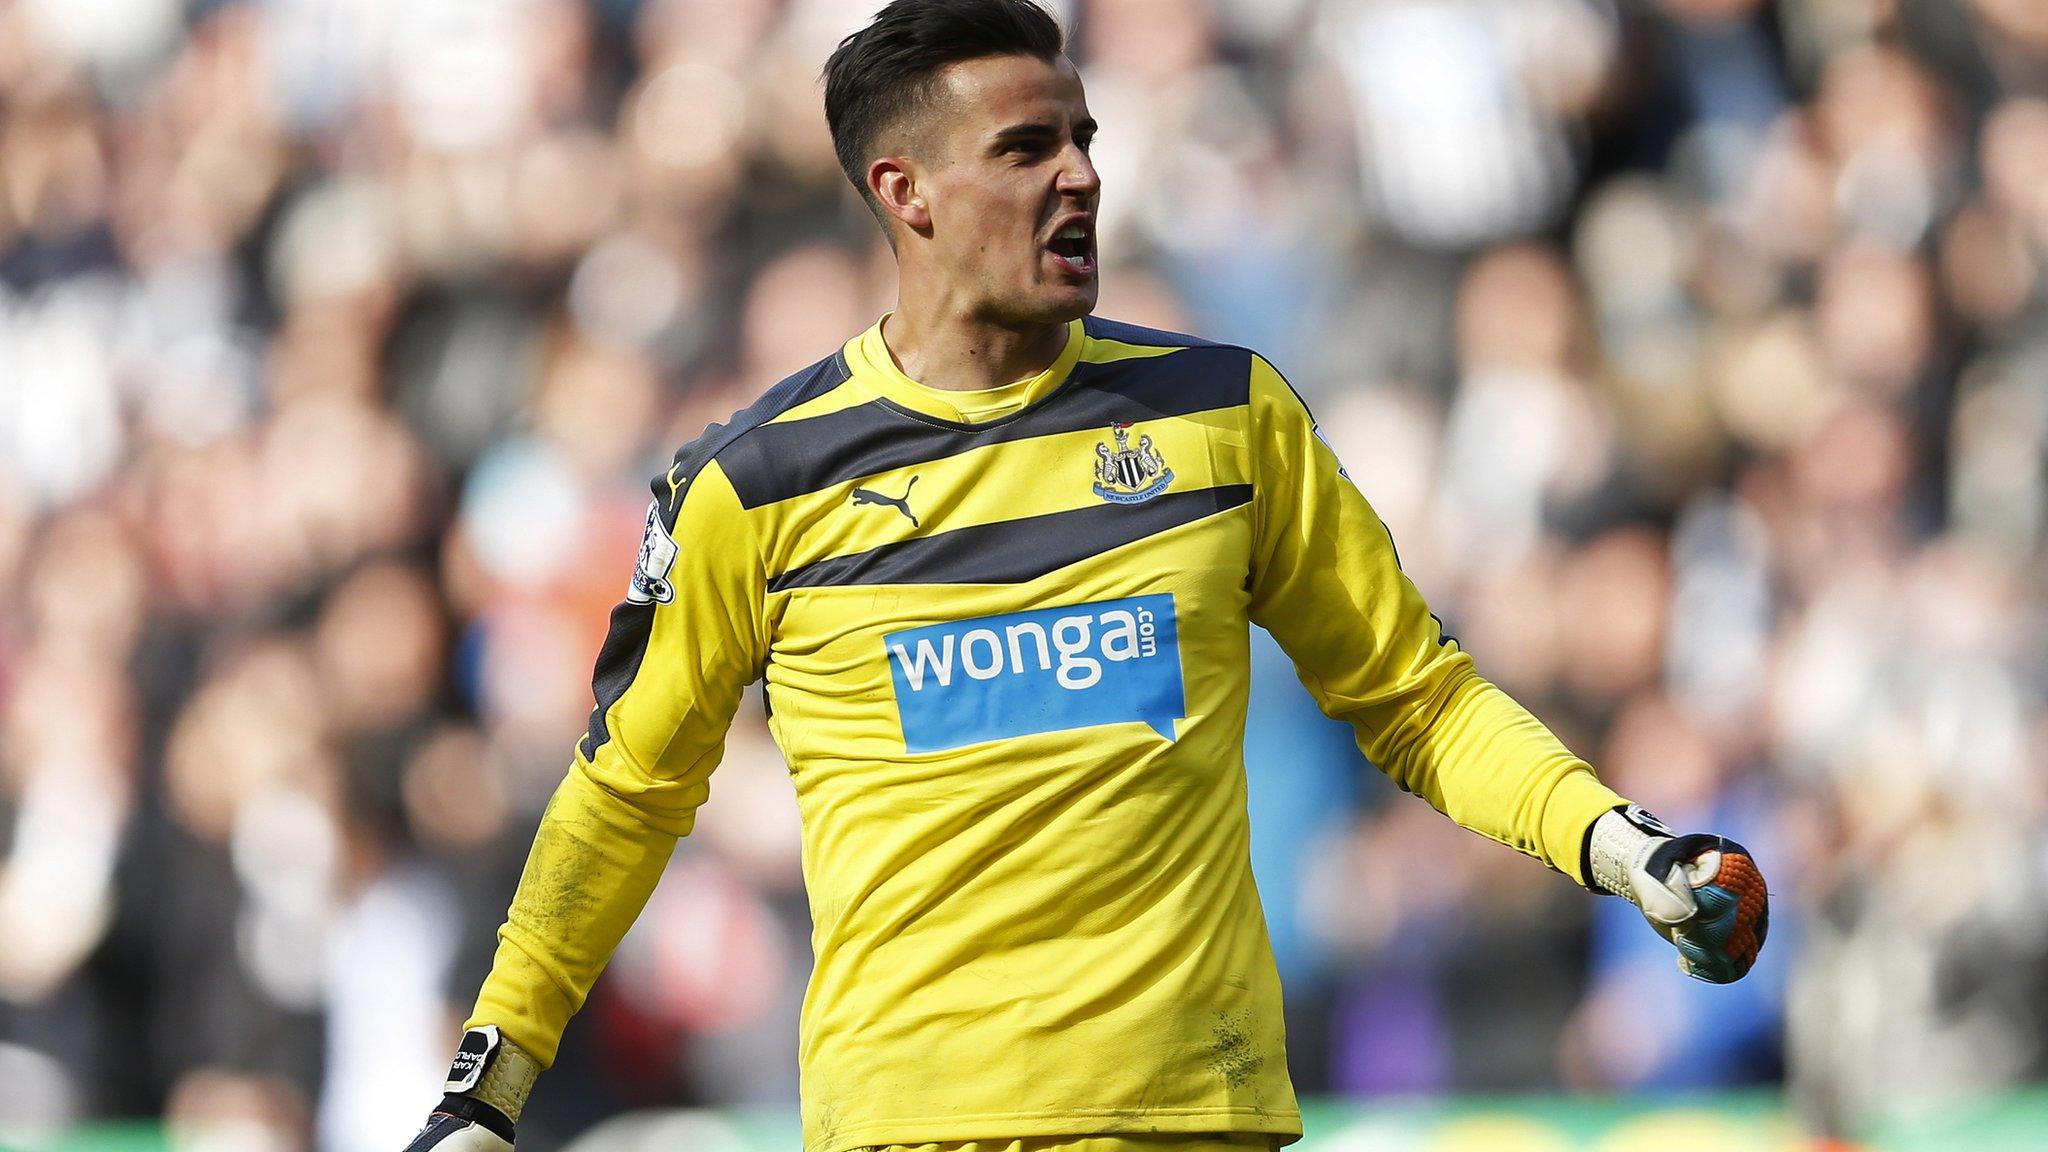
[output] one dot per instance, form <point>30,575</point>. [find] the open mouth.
<point>1073,249</point>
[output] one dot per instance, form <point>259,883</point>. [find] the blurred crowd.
<point>1696,352</point>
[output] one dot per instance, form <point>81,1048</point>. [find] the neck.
<point>945,347</point>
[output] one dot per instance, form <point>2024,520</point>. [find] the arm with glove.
<point>680,651</point>
<point>1327,583</point>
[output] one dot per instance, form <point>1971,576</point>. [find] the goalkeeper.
<point>997,560</point>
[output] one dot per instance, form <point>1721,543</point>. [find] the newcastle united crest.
<point>1127,475</point>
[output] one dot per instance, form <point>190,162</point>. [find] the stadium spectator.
<point>331,331</point>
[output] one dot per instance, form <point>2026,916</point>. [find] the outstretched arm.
<point>1327,583</point>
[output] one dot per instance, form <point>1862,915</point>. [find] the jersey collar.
<point>875,366</point>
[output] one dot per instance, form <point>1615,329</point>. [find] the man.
<point>997,561</point>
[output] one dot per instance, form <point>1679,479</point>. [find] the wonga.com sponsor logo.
<point>1046,670</point>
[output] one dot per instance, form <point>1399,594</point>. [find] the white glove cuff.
<point>492,1069</point>
<point>1617,848</point>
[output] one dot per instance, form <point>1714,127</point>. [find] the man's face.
<point>1011,191</point>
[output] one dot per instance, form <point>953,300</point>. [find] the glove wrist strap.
<point>1620,844</point>
<point>477,1112</point>
<point>492,1070</point>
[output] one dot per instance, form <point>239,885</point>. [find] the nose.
<point>1077,174</point>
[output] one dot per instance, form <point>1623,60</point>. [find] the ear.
<point>897,184</point>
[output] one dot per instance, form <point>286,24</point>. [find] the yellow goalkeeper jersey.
<point>1004,636</point>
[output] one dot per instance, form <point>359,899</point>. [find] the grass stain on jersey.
<point>561,871</point>
<point>1234,1056</point>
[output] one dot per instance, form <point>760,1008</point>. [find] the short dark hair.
<point>889,69</point>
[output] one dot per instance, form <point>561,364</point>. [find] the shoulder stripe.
<point>1123,333</point>
<point>632,622</point>
<point>800,388</point>
<point>1105,351</point>
<point>1015,551</point>
<point>792,457</point>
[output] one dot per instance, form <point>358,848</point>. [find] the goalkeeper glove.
<point>486,1091</point>
<point>1702,893</point>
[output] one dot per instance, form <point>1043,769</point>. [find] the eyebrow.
<point>1037,128</point>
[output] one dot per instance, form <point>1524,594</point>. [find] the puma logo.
<point>675,485</point>
<point>902,504</point>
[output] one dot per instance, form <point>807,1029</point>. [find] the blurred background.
<point>1696,352</point>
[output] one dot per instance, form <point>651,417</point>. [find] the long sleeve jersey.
<point>1005,643</point>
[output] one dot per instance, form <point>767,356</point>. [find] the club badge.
<point>1127,475</point>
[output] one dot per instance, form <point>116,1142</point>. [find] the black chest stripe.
<point>1015,551</point>
<point>778,461</point>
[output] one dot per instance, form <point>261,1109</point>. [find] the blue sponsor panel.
<point>1047,670</point>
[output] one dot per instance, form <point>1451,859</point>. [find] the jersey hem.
<point>1071,1122</point>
